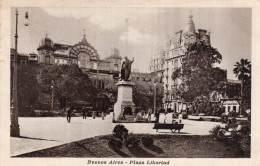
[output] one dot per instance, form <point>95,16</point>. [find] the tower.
<point>46,50</point>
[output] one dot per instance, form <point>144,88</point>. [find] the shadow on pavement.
<point>155,149</point>
<point>38,139</point>
<point>84,147</point>
<point>171,133</point>
<point>119,152</point>
<point>139,152</point>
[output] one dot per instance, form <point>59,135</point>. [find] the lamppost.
<point>154,98</point>
<point>52,97</point>
<point>167,100</point>
<point>14,127</point>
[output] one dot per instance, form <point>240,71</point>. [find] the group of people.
<point>180,117</point>
<point>69,110</point>
<point>148,115</point>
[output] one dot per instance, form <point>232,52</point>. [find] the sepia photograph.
<point>145,84</point>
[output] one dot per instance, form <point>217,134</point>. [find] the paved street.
<point>45,132</point>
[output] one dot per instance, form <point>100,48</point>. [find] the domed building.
<point>82,53</point>
<point>46,50</point>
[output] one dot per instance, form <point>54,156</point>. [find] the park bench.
<point>168,126</point>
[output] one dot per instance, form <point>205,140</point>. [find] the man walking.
<point>69,111</point>
<point>157,116</point>
<point>84,112</point>
<point>124,112</point>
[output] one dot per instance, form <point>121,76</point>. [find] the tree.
<point>69,83</point>
<point>243,72</point>
<point>143,94</point>
<point>27,89</point>
<point>198,75</point>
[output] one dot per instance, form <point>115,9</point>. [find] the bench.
<point>168,126</point>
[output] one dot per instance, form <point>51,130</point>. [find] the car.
<point>202,114</point>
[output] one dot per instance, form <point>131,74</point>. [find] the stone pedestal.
<point>124,98</point>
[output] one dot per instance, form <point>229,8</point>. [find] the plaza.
<point>83,78</point>
<point>42,133</point>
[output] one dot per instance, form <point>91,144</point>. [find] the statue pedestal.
<point>124,98</point>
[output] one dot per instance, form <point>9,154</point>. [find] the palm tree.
<point>243,72</point>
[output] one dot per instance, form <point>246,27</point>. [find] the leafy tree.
<point>27,89</point>
<point>198,75</point>
<point>68,82</point>
<point>143,94</point>
<point>243,72</point>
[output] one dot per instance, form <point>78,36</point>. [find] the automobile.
<point>202,114</point>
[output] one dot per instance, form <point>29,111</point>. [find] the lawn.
<point>165,146</point>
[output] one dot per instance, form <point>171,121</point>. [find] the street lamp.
<point>52,97</point>
<point>154,98</point>
<point>14,128</point>
<point>26,22</point>
<point>167,100</point>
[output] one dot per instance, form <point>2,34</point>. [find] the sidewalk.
<point>46,132</point>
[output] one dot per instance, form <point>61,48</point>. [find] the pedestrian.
<point>165,117</point>
<point>124,112</point>
<point>69,111</point>
<point>157,115</point>
<point>173,120</point>
<point>83,110</point>
<point>180,117</point>
<point>149,114</point>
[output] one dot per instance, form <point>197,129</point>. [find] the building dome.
<point>114,54</point>
<point>46,43</point>
<point>190,27</point>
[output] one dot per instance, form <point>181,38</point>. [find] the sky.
<point>148,30</point>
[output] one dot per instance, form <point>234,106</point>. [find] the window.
<point>23,62</point>
<point>47,59</point>
<point>176,64</point>
<point>115,67</point>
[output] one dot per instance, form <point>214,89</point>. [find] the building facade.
<point>164,63</point>
<point>177,47</point>
<point>82,53</point>
<point>156,66</point>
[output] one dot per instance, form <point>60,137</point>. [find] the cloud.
<point>137,37</point>
<point>105,18</point>
<point>76,13</point>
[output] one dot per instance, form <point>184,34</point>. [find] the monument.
<point>125,90</point>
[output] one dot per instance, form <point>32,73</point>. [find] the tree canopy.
<point>198,74</point>
<point>27,88</point>
<point>243,73</point>
<point>67,81</point>
<point>143,94</point>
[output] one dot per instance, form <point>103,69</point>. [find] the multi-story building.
<point>82,53</point>
<point>164,63</point>
<point>232,96</point>
<point>157,66</point>
<point>177,47</point>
